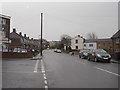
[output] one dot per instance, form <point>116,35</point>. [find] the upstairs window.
<point>90,45</point>
<point>0,20</point>
<point>76,41</point>
<point>117,40</point>
<point>4,21</point>
<point>84,45</point>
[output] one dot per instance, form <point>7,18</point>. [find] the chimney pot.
<point>14,30</point>
<point>24,35</point>
<point>20,33</point>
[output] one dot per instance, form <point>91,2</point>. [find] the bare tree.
<point>91,35</point>
<point>66,39</point>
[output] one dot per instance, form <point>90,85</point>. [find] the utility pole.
<point>41,31</point>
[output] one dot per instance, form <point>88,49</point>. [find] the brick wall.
<point>16,55</point>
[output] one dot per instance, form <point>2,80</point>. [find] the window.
<point>76,47</point>
<point>3,21</point>
<point>90,45</point>
<point>0,20</point>
<point>117,40</point>
<point>2,33</point>
<point>76,41</point>
<point>84,45</point>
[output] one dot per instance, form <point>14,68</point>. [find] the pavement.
<point>114,61</point>
<point>22,73</point>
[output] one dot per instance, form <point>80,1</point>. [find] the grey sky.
<point>70,18</point>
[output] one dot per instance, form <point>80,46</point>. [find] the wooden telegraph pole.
<point>41,31</point>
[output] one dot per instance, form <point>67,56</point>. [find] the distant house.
<point>90,44</point>
<point>17,40</point>
<point>116,44</point>
<point>4,32</point>
<point>105,44</point>
<point>53,44</point>
<point>77,43</point>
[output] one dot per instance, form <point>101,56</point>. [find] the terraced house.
<point>4,33</point>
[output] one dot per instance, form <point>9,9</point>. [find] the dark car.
<point>84,53</point>
<point>99,55</point>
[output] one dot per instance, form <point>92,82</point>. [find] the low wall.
<point>16,55</point>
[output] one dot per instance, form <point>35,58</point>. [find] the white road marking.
<point>36,66</point>
<point>46,87</point>
<point>45,81</point>
<point>44,74</point>
<point>43,71</point>
<point>82,62</point>
<point>107,71</point>
<point>45,77</point>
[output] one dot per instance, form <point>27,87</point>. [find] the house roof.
<point>116,35</point>
<point>4,16</point>
<point>77,37</point>
<point>98,40</point>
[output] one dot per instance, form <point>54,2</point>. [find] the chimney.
<point>78,35</point>
<point>31,38</point>
<point>20,33</point>
<point>24,35</point>
<point>28,37</point>
<point>14,30</point>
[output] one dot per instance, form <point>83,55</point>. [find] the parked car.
<point>55,50</point>
<point>99,55</point>
<point>84,53</point>
<point>59,51</point>
<point>3,50</point>
<point>19,50</point>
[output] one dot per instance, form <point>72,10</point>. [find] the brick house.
<point>4,32</point>
<point>105,44</point>
<point>17,40</point>
<point>116,45</point>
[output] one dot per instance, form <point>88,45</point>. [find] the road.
<point>66,71</point>
<point>59,70</point>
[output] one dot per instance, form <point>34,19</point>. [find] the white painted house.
<point>90,44</point>
<point>77,43</point>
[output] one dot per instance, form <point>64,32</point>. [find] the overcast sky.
<point>60,18</point>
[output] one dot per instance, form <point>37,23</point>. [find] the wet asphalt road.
<point>60,70</point>
<point>66,71</point>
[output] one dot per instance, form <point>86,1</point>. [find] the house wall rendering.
<point>77,43</point>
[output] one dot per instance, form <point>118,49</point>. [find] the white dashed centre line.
<point>107,71</point>
<point>45,81</point>
<point>36,66</point>
<point>44,75</point>
<point>46,87</point>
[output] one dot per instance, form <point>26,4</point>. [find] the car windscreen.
<point>100,51</point>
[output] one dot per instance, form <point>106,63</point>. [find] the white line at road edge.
<point>36,66</point>
<point>107,71</point>
<point>82,62</point>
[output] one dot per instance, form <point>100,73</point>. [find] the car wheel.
<point>88,59</point>
<point>108,61</point>
<point>95,59</point>
<point>79,56</point>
